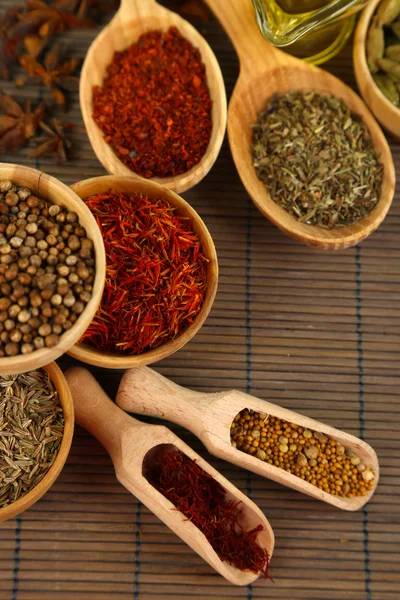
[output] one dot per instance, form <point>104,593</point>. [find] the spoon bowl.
<point>133,445</point>
<point>209,417</point>
<point>134,18</point>
<point>265,71</point>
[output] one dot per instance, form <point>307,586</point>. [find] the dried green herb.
<point>316,159</point>
<point>31,431</point>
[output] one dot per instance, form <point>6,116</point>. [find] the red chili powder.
<point>154,106</point>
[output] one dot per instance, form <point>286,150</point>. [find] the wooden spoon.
<point>386,113</point>
<point>209,417</point>
<point>131,444</point>
<point>265,71</point>
<point>134,18</point>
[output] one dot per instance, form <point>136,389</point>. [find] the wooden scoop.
<point>209,417</point>
<point>134,18</point>
<point>265,71</point>
<point>131,444</point>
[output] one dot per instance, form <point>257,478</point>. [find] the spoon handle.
<point>96,412</point>
<point>146,392</point>
<point>130,8</point>
<point>239,21</point>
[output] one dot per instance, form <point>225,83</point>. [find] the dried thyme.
<point>31,430</point>
<point>316,159</point>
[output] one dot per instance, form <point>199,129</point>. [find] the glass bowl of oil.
<point>314,30</point>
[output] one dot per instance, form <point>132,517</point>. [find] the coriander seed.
<point>36,238</point>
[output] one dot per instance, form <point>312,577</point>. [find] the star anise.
<point>194,10</point>
<point>54,141</point>
<point>96,8</point>
<point>53,73</point>
<point>8,44</point>
<point>18,125</point>
<point>46,19</point>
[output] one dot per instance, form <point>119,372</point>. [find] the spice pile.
<point>383,49</point>
<point>154,106</point>
<point>47,270</point>
<point>310,455</point>
<point>197,495</point>
<point>316,159</point>
<point>156,274</point>
<point>31,426</point>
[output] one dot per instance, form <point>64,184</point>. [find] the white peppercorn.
<point>54,209</point>
<point>24,193</point>
<point>56,300</point>
<point>26,348</point>
<point>5,185</point>
<point>24,316</point>
<point>15,335</point>
<point>31,228</point>
<point>52,340</point>
<point>11,349</point>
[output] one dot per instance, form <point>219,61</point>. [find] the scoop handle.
<point>146,392</point>
<point>96,412</point>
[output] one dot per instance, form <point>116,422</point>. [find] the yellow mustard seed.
<point>309,455</point>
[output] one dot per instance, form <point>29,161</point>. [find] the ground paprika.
<point>154,106</point>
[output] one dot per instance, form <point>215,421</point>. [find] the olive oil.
<point>312,29</point>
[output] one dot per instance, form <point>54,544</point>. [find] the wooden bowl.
<point>386,113</point>
<point>132,185</point>
<point>134,18</point>
<point>49,188</point>
<point>60,383</point>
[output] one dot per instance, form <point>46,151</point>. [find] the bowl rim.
<point>47,186</point>
<point>60,383</point>
<point>84,352</point>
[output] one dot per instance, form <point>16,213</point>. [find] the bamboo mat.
<point>317,333</point>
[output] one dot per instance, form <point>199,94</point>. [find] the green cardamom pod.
<point>375,45</point>
<point>396,29</point>
<point>391,67</point>
<point>388,11</point>
<point>388,88</point>
<point>393,52</point>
